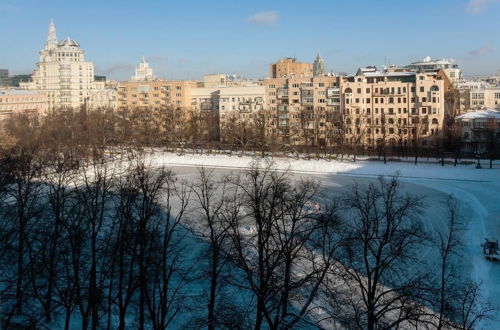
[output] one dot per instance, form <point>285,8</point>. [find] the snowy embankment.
<point>423,170</point>
<point>477,189</point>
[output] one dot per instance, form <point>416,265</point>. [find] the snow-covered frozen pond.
<point>478,191</point>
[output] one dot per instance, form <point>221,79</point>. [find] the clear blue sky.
<point>185,39</point>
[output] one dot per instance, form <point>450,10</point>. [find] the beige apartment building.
<point>392,107</point>
<point>482,96</point>
<point>227,107</point>
<point>63,74</point>
<point>102,99</point>
<point>239,107</point>
<point>478,128</point>
<point>303,110</point>
<point>154,94</point>
<point>290,67</point>
<point>15,101</point>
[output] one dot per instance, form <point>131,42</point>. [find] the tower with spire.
<point>63,73</point>
<point>51,36</point>
<point>143,72</point>
<point>319,66</point>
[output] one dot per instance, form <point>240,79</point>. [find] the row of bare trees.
<point>320,134</point>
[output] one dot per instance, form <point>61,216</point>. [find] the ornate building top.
<point>143,72</point>
<point>51,36</point>
<point>63,51</point>
<point>319,66</point>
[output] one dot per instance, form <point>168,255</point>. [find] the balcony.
<point>206,106</point>
<point>307,100</point>
<point>282,93</point>
<point>333,92</point>
<point>283,123</point>
<point>282,107</point>
<point>244,108</point>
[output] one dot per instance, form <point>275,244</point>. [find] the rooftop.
<point>429,60</point>
<point>18,92</point>
<point>481,114</point>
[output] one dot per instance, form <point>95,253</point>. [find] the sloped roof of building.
<point>481,114</point>
<point>68,42</point>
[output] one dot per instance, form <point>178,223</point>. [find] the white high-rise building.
<point>143,72</point>
<point>319,66</point>
<point>63,74</point>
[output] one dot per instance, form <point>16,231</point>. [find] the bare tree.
<point>448,243</point>
<point>93,196</point>
<point>271,242</point>
<point>459,303</point>
<point>261,190</point>
<point>210,196</point>
<point>472,306</point>
<point>58,176</point>
<point>167,274</point>
<point>124,262</point>
<point>22,168</point>
<point>381,235</point>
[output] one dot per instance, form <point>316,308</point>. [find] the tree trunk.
<point>213,290</point>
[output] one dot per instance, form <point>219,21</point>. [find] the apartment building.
<point>103,99</point>
<point>15,101</point>
<point>478,129</point>
<point>154,94</point>
<point>63,74</point>
<point>289,67</point>
<point>479,95</point>
<point>303,110</point>
<point>239,106</point>
<point>227,106</point>
<point>392,107</point>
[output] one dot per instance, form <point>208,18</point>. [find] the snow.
<point>476,189</point>
<point>481,114</point>
<point>423,170</point>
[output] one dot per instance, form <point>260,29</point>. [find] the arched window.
<point>434,88</point>
<point>435,121</point>
<point>348,90</point>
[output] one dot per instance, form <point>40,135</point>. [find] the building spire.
<point>51,36</point>
<point>319,66</point>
